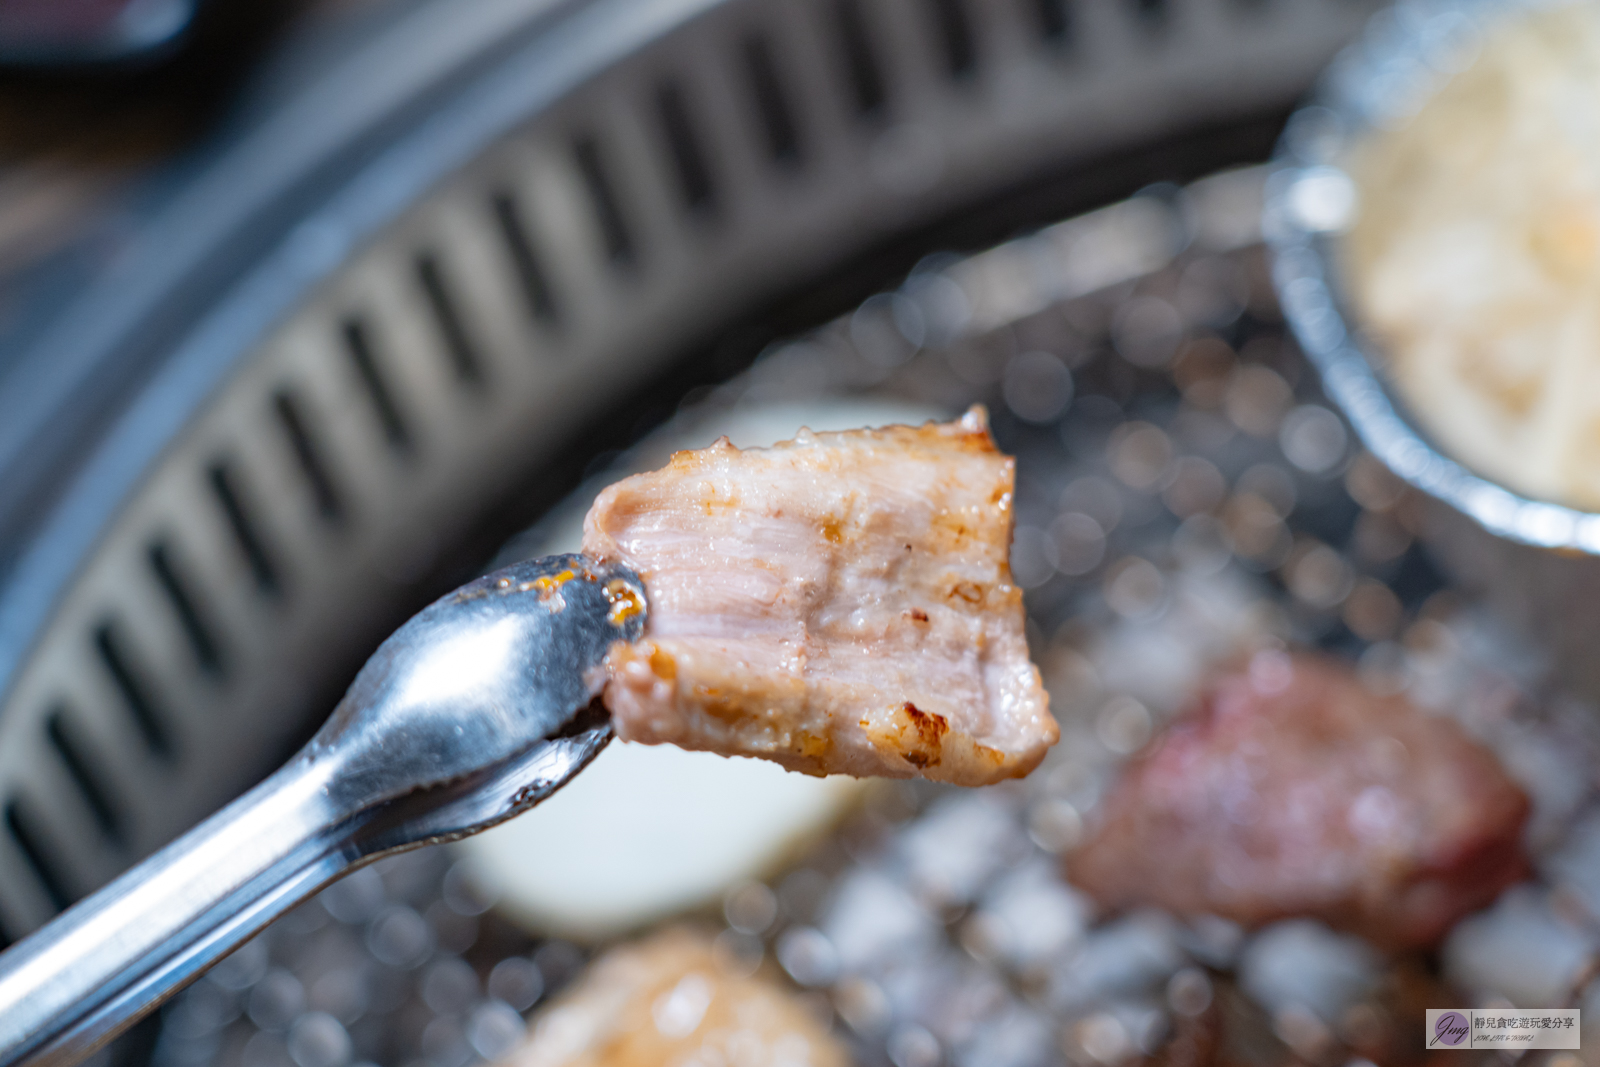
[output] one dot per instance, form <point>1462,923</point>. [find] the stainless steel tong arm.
<point>475,710</point>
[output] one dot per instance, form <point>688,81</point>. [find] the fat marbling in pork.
<point>839,603</point>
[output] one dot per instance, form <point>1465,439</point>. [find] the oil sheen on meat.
<point>839,603</point>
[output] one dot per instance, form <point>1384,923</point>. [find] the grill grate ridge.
<point>192,619</point>
<point>135,692</point>
<point>614,232</point>
<point>868,91</point>
<point>458,344</point>
<point>358,345</point>
<point>695,185</point>
<point>532,281</point>
<point>30,840</point>
<point>223,480</point>
<point>772,107</point>
<point>84,770</point>
<point>308,454</point>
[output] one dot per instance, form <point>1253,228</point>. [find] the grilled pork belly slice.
<point>1292,789</point>
<point>839,603</point>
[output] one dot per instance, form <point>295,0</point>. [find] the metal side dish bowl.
<point>1532,553</point>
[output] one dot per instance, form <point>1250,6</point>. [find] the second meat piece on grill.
<point>1291,789</point>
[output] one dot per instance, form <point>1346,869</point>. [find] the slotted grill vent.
<point>746,151</point>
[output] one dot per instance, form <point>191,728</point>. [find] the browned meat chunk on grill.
<point>1291,789</point>
<point>839,603</point>
<point>669,1001</point>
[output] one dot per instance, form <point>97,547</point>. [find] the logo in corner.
<point>1450,1028</point>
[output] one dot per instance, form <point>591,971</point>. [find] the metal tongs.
<point>474,711</point>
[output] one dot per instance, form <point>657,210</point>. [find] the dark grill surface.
<point>293,402</point>
<point>1182,489</point>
